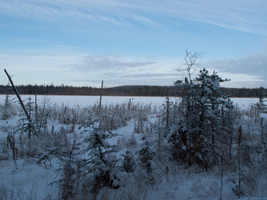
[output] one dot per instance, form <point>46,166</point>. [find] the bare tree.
<point>190,60</point>
<point>30,124</point>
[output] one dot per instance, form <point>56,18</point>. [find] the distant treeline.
<point>134,90</point>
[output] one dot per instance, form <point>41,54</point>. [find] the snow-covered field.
<point>26,179</point>
<point>83,101</point>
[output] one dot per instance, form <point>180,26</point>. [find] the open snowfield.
<point>83,101</point>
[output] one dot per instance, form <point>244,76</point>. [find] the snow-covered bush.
<point>196,137</point>
<point>127,141</point>
<point>7,109</point>
<point>129,162</point>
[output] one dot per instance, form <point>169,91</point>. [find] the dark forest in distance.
<point>131,90</point>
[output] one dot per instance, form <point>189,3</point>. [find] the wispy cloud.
<point>111,63</point>
<point>121,70</point>
<point>254,64</point>
<point>84,69</point>
<point>244,15</point>
<point>249,71</point>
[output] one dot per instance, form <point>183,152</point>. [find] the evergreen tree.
<point>145,161</point>
<point>6,108</point>
<point>100,163</point>
<point>261,104</point>
<point>69,182</point>
<point>128,163</point>
<point>194,139</point>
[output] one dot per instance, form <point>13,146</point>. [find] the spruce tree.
<point>6,109</point>
<point>146,161</point>
<point>195,136</point>
<point>100,163</point>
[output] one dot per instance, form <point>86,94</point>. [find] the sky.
<point>131,42</point>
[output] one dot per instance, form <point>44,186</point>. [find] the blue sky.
<point>125,42</point>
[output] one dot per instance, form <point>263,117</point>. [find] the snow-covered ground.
<point>32,181</point>
<point>83,101</point>
<point>28,181</point>
<point>244,103</point>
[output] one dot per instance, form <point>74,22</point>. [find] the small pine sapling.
<point>101,162</point>
<point>70,172</point>
<point>146,161</point>
<point>129,163</point>
<point>6,108</point>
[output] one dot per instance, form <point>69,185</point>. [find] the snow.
<point>244,103</point>
<point>32,181</point>
<point>83,101</point>
<point>6,125</point>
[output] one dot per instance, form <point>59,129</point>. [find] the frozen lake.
<point>83,101</point>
